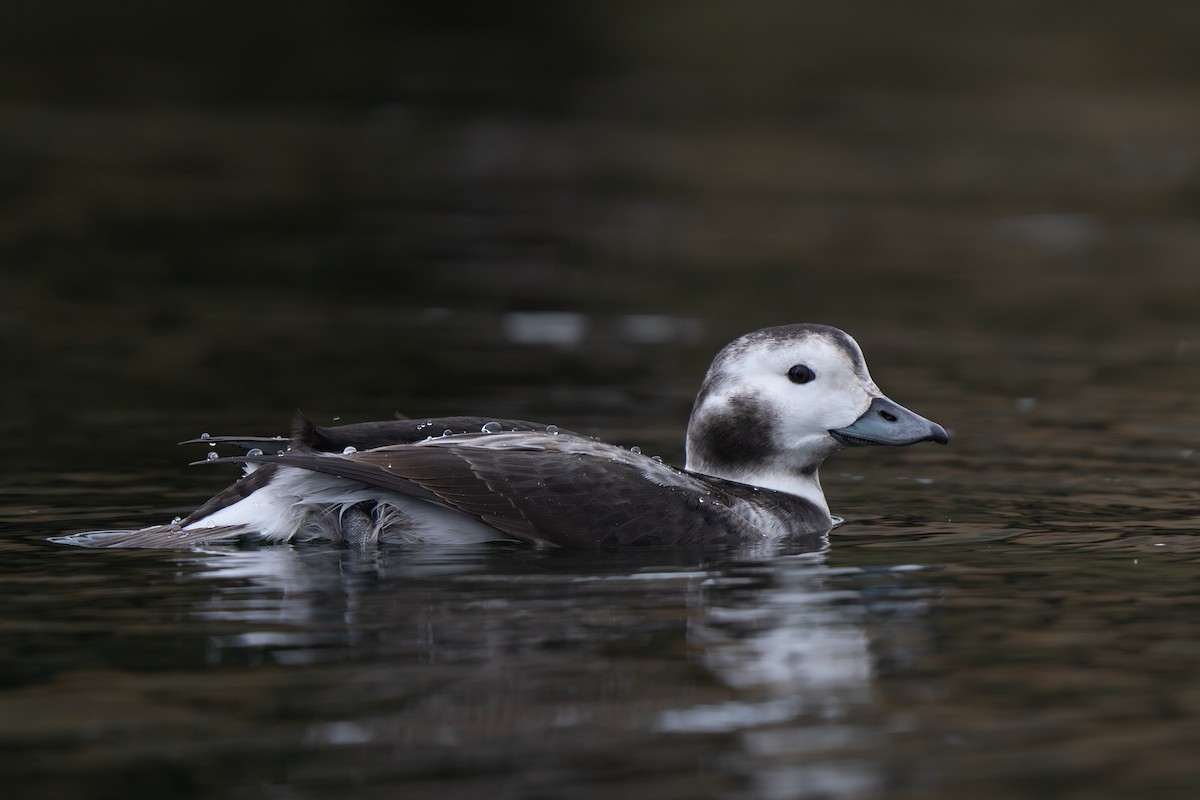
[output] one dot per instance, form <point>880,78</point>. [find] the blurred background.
<point>212,214</point>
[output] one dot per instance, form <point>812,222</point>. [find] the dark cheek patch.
<point>742,435</point>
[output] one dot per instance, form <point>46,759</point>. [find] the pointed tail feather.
<point>268,444</point>
<point>156,536</point>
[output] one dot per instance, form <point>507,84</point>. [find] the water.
<point>354,220</point>
<point>1012,615</point>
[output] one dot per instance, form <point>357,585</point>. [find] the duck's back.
<point>559,489</point>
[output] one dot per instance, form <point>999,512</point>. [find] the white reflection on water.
<point>558,328</point>
<point>569,329</point>
<point>486,648</point>
<point>798,653</point>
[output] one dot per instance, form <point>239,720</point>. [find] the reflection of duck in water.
<point>798,645</point>
<point>774,405</point>
<point>786,636</point>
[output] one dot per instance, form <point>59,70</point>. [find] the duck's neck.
<point>804,482</point>
<point>807,486</point>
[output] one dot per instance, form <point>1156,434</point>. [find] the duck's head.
<point>775,403</point>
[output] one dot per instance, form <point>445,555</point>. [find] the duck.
<point>773,405</point>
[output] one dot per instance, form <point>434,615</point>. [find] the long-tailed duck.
<point>774,404</point>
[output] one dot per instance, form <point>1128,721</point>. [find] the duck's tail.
<point>169,536</point>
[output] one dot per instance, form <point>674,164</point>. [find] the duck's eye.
<point>801,374</point>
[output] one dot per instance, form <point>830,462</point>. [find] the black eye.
<point>801,374</point>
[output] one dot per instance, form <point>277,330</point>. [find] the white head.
<point>776,402</point>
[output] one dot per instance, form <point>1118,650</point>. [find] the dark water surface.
<point>1015,615</point>
<point>208,221</point>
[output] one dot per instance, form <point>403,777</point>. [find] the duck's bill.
<point>888,423</point>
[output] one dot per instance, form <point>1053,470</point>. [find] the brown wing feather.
<point>581,500</point>
<point>564,490</point>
